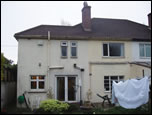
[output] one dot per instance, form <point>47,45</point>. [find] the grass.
<point>144,109</point>
<point>75,109</point>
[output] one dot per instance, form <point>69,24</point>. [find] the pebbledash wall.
<point>34,60</point>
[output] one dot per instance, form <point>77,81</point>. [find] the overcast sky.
<point>17,16</point>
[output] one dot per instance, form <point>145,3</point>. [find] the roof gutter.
<point>78,38</point>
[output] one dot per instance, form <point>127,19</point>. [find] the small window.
<point>113,49</point>
<point>37,82</point>
<point>145,50</point>
<point>73,49</point>
<point>64,46</point>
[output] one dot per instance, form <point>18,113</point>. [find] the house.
<point>77,62</point>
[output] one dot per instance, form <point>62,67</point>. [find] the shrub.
<point>53,106</point>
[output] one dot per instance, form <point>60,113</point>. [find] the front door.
<point>66,88</point>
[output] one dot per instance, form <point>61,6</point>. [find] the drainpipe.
<point>48,57</point>
<point>80,82</point>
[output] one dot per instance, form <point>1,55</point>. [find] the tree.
<point>2,66</point>
<point>6,65</point>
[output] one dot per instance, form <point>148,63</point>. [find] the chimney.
<point>149,20</point>
<point>86,17</point>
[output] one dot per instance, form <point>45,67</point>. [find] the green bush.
<point>53,106</point>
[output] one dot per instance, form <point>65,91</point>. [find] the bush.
<point>53,106</point>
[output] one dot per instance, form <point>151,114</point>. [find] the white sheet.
<point>131,93</point>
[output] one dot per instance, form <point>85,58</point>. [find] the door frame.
<point>66,87</point>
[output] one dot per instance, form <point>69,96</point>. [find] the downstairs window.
<point>37,82</point>
<point>109,79</point>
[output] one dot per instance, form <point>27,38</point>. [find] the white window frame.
<point>118,78</point>
<point>75,47</point>
<point>109,49</point>
<point>62,44</point>
<point>144,50</point>
<point>37,80</point>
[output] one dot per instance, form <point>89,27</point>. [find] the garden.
<point>56,107</point>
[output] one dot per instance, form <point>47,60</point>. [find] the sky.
<point>17,16</point>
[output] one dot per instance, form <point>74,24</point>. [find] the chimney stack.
<point>149,20</point>
<point>86,17</point>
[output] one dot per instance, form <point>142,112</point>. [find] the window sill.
<point>145,57</point>
<point>64,57</point>
<point>74,57</point>
<point>37,91</point>
<point>113,57</point>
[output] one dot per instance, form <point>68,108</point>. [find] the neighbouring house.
<point>77,62</point>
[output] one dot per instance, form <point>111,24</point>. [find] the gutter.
<point>70,37</point>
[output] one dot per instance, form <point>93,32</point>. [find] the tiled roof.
<point>102,28</point>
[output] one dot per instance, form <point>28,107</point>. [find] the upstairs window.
<point>145,50</point>
<point>37,82</point>
<point>73,49</point>
<point>113,49</point>
<point>64,46</point>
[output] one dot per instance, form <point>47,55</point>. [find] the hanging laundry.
<point>131,93</point>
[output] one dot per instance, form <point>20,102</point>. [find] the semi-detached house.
<point>77,62</point>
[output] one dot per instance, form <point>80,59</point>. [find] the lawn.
<point>144,109</point>
<point>75,109</point>
<point>120,110</point>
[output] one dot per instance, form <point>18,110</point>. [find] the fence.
<point>8,93</point>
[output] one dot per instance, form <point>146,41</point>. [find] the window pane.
<point>41,77</point>
<point>33,84</point>
<point>148,50</point>
<point>106,77</point>
<point>116,49</point>
<point>121,77</point>
<point>73,51</point>
<point>141,47</point>
<point>114,77</point>
<point>71,89</point>
<point>64,50</point>
<point>106,83</point>
<point>33,77</point>
<point>105,49</point>
<point>60,88</point>
<point>41,84</point>
<point>106,87</point>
